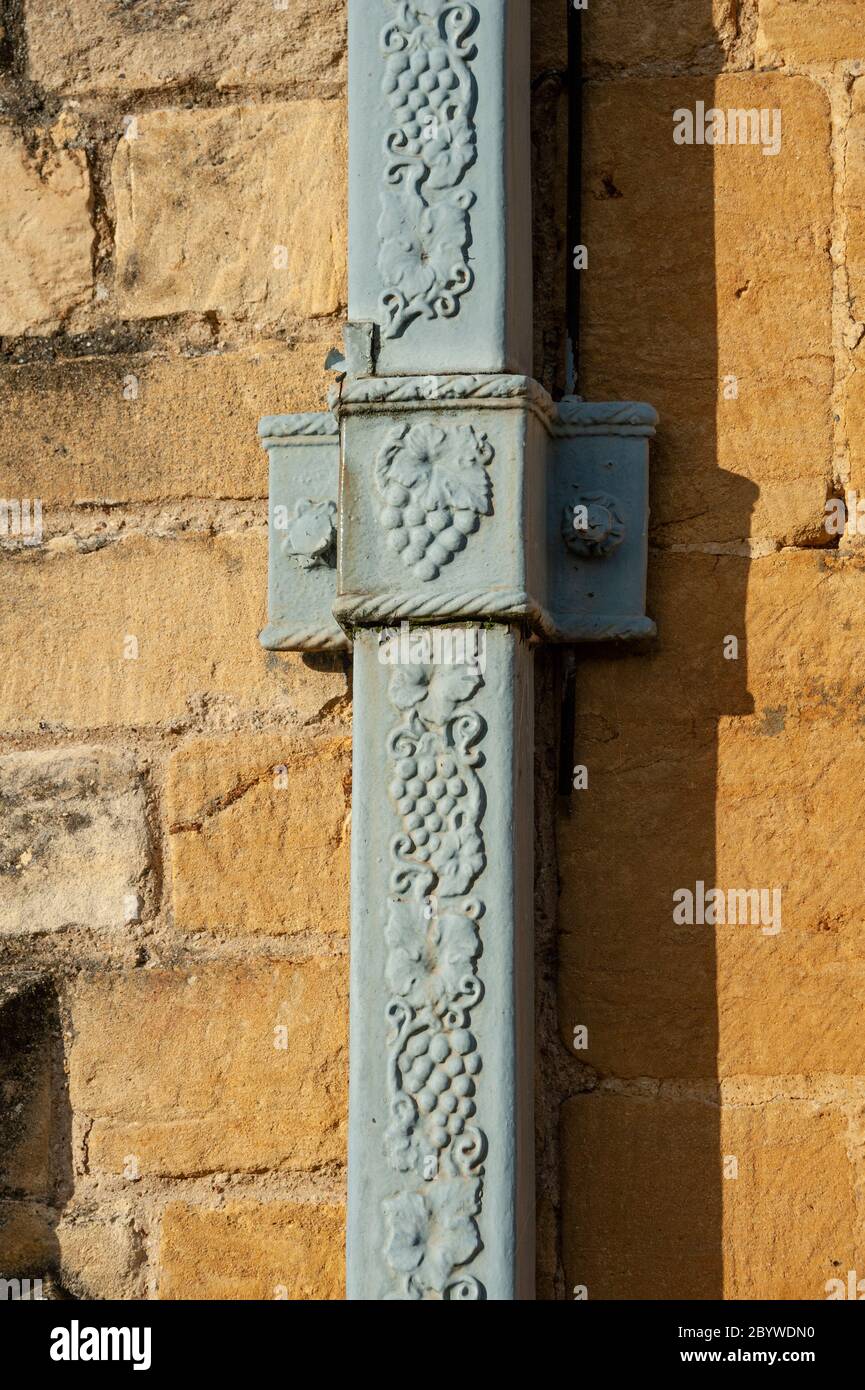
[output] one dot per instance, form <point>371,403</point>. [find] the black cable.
<point>575,169</point>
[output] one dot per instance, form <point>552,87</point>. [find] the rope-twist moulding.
<point>462,494</point>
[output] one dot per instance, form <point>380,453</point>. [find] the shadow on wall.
<point>640,1140</point>
<point>35,1139</point>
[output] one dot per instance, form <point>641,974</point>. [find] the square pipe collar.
<point>465,493</point>
<point>478,497</point>
<point>303,454</point>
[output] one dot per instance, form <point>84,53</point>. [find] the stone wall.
<point>711,1130</point>
<point>174,801</point>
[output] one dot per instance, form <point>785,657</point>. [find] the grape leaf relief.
<point>435,487</point>
<point>432,933</point>
<point>424,229</point>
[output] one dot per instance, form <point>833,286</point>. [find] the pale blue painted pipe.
<point>471,509</point>
<point>441,1190</point>
<point>439,183</point>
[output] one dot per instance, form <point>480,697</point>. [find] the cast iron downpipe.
<point>473,517</point>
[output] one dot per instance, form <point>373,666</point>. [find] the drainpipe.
<point>445,517</point>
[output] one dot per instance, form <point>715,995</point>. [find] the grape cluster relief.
<point>430,143</point>
<point>432,932</point>
<point>435,486</point>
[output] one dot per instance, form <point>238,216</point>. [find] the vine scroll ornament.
<point>424,225</point>
<point>451,470</point>
<point>433,940</point>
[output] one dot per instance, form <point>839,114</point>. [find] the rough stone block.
<point>650,1215</point>
<point>709,273</point>
<point>28,1243</point>
<point>808,31</point>
<point>238,209</point>
<point>100,1258</point>
<point>793,614</point>
<point>616,36</point>
<point>251,1250</point>
<point>217,1068</point>
<point>259,834</point>
<point>46,237</point>
<point>743,800</point>
<point>74,835</point>
<point>146,631</point>
<point>80,46</point>
<point>123,429</point>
